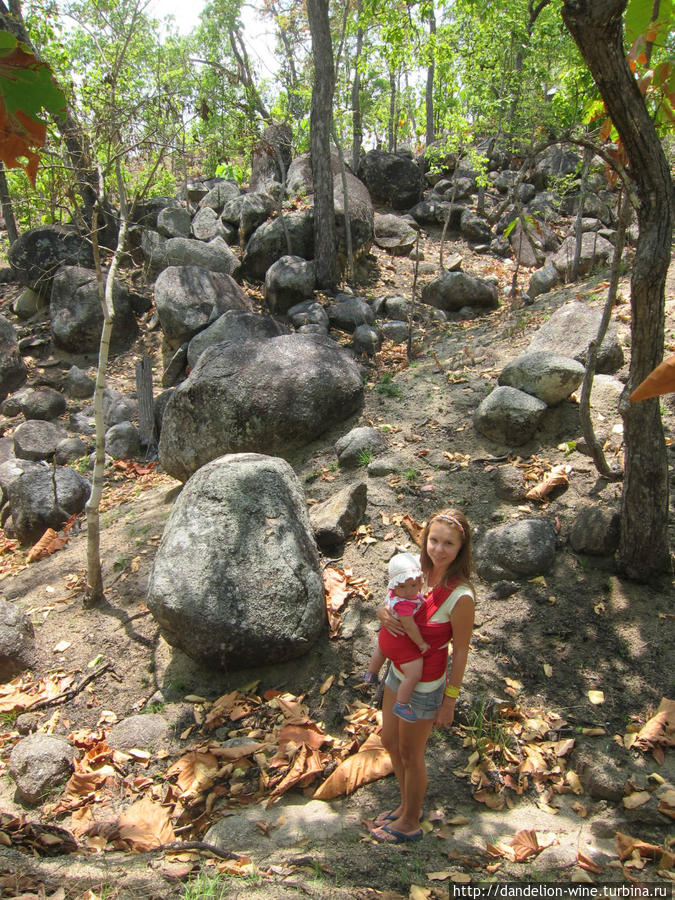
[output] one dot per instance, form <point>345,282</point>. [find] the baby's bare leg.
<point>412,672</point>
<point>376,661</point>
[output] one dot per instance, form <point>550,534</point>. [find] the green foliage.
<point>388,387</point>
<point>365,457</point>
<point>230,170</point>
<point>26,89</point>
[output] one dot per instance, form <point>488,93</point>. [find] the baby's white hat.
<point>402,567</point>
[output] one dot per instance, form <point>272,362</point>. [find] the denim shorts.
<point>424,703</point>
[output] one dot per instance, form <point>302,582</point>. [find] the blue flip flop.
<point>396,837</point>
<point>389,816</point>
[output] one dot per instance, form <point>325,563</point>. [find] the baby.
<point>404,598</point>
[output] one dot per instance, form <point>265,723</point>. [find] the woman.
<point>447,615</point>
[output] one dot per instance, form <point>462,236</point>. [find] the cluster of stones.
<point>257,386</point>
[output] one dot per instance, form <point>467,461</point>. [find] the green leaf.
<point>639,16</point>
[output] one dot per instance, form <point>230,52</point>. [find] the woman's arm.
<point>461,618</point>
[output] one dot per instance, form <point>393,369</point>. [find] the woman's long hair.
<point>462,564</point>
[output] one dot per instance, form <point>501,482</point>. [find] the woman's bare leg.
<point>406,743</point>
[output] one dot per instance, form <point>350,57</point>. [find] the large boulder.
<point>548,376</point>
<point>269,396</point>
<point>77,317</point>
<point>189,297</point>
<point>518,549</point>
<point>236,581</point>
<point>41,496</point>
<point>268,243</point>
<point>13,371</point>
<point>173,221</point>
<point>17,641</point>
<point>288,281</point>
<point>214,255</point>
<point>509,416</point>
<point>361,215</point>
<point>394,234</point>
<point>234,325</point>
<point>392,179</point>
<point>451,291</point>
<point>570,331</point>
<point>38,253</point>
<point>595,250</point>
<point>220,193</point>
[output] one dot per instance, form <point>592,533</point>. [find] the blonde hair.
<point>462,564</point>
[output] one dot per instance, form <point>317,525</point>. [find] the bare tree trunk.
<point>325,250</point>
<point>597,454</point>
<point>391,131</point>
<point>429,90</point>
<point>357,121</point>
<point>94,593</point>
<point>7,208</point>
<point>597,28</point>
<point>578,225</point>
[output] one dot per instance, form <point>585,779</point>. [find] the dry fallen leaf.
<point>556,477</point>
<point>637,798</point>
<point>596,697</point>
<point>327,685</point>
<point>370,763</point>
<point>146,825</point>
<point>585,862</point>
<point>49,543</point>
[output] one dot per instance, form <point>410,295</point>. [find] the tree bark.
<point>597,28</point>
<point>325,245</point>
<point>429,90</point>
<point>357,120</point>
<point>7,208</point>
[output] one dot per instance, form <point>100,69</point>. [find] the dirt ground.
<point>541,650</point>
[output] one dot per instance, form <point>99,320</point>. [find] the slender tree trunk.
<point>7,208</point>
<point>578,225</point>
<point>325,249</point>
<point>431,69</point>
<point>597,28</point>
<point>357,120</point>
<point>391,136</point>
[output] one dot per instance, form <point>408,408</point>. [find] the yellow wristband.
<point>451,691</point>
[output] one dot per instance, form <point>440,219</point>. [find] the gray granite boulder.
<point>523,548</point>
<point>77,317</point>
<point>271,396</point>
<point>214,255</point>
<point>17,641</point>
<point>188,298</point>
<point>13,371</point>
<point>570,331</point>
<point>335,519</point>
<point>289,281</point>
<point>37,255</point>
<point>548,376</point>
<point>509,416</point>
<point>236,580</point>
<point>451,291</point>
<point>38,763</point>
<point>234,325</point>
<point>359,445</point>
